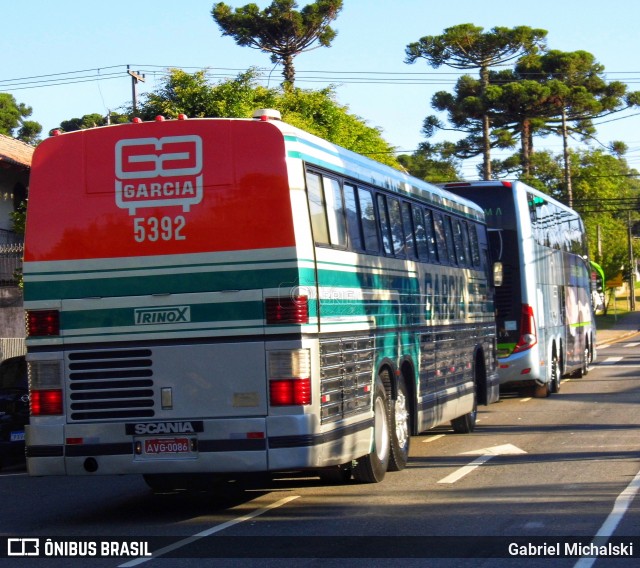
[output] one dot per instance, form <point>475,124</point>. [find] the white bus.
<point>546,326</point>
<point>222,296</point>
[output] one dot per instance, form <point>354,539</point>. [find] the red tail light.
<point>287,309</point>
<point>528,335</point>
<point>290,392</point>
<point>42,323</point>
<point>46,402</point>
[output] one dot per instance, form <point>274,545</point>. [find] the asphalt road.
<point>545,473</point>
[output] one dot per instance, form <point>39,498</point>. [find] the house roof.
<point>15,152</point>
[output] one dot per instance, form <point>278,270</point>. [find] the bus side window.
<point>384,224</point>
<point>430,235</point>
<point>422,246</point>
<point>409,234</point>
<point>395,219</point>
<point>441,243</point>
<point>353,218</point>
<point>317,209</point>
<point>458,243</point>
<point>335,212</point>
<point>448,234</point>
<point>475,246</point>
<point>369,224</point>
<point>466,243</point>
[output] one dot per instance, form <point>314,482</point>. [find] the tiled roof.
<point>15,152</point>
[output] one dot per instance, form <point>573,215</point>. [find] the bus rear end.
<point>515,299</point>
<point>162,335</point>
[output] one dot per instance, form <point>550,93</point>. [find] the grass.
<point>621,309</point>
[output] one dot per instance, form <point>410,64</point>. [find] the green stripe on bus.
<point>182,283</point>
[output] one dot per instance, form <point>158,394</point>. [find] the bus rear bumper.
<point>520,369</point>
<point>225,446</point>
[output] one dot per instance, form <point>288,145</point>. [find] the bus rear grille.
<point>346,367</point>
<point>108,385</point>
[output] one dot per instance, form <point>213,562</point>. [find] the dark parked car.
<point>14,408</point>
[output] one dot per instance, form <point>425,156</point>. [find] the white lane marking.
<point>611,360</point>
<point>631,344</point>
<point>485,455</point>
<point>526,399</point>
<point>467,469</point>
<point>433,438</point>
<point>210,531</point>
<point>613,520</point>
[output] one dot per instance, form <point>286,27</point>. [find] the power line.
<point>302,75</point>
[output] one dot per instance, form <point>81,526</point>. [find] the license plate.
<point>17,436</point>
<point>163,446</point>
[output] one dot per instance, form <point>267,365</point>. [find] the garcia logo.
<point>168,314</point>
<point>158,172</point>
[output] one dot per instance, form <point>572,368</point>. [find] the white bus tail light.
<point>45,388</point>
<point>43,323</point>
<point>528,335</point>
<point>290,377</point>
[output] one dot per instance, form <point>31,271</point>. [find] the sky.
<point>68,58</point>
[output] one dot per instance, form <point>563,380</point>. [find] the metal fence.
<point>11,252</point>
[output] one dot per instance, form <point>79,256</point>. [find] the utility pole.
<point>632,291</point>
<point>135,78</point>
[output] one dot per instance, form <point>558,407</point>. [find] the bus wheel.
<point>587,359</point>
<point>584,365</point>
<point>400,433</point>
<point>466,423</point>
<point>373,467</point>
<point>555,374</point>
<point>542,391</point>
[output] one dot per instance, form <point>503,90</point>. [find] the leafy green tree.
<point>316,112</point>
<point>12,120</point>
<point>19,218</point>
<point>602,183</point>
<point>466,107</point>
<point>466,46</point>
<point>92,121</point>
<point>280,29</point>
<point>192,94</point>
<point>579,94</point>
<point>434,163</point>
<point>520,108</point>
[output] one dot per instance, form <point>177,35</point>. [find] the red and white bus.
<point>236,295</point>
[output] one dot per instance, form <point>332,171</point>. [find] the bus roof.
<point>514,184</point>
<point>320,152</point>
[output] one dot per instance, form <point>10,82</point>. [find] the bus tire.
<point>373,467</point>
<point>399,420</point>
<point>555,374</point>
<point>584,365</point>
<point>466,423</point>
<point>542,391</point>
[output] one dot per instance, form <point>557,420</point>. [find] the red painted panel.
<point>156,188</point>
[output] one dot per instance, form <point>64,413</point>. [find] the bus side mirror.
<point>497,274</point>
